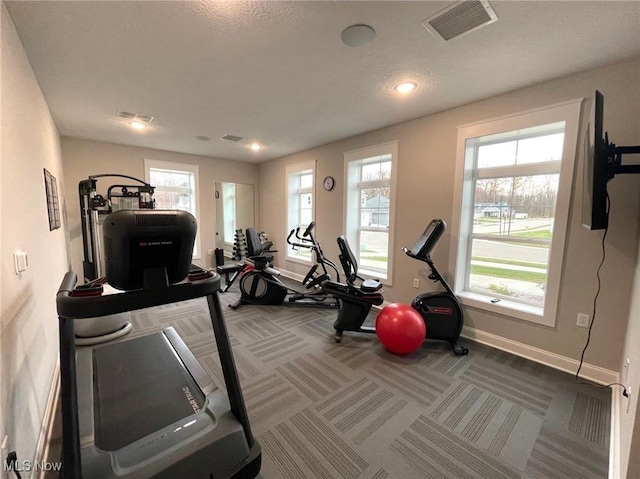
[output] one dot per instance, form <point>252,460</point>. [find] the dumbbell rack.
<point>239,245</point>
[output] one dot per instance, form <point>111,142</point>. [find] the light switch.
<point>21,261</point>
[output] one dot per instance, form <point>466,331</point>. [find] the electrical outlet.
<point>209,252</point>
<point>583,320</point>
<point>416,283</point>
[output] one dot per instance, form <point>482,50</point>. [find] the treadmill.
<point>144,407</point>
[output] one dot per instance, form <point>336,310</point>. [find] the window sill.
<point>366,274</point>
<point>504,307</point>
<point>295,259</point>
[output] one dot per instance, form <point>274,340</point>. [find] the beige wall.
<point>628,407</point>
<point>426,175</point>
<point>82,158</point>
<point>28,320</point>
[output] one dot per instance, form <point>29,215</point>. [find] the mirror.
<point>234,210</point>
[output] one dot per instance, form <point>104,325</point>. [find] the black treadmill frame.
<point>71,308</point>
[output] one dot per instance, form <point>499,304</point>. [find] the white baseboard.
<point>291,275</point>
<point>614,438</point>
<point>588,371</point>
<point>44,439</point>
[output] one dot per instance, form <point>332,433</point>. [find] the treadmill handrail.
<point>78,307</point>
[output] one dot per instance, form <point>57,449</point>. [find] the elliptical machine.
<point>260,285</point>
<point>441,311</point>
<point>313,278</point>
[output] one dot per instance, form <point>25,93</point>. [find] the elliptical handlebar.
<point>308,230</point>
<point>309,244</point>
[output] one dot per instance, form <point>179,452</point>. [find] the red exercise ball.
<point>400,328</point>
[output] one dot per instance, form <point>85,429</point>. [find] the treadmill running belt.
<point>140,386</point>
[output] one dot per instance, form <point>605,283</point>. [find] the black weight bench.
<point>230,269</point>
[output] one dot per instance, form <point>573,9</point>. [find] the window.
<point>369,212</point>
<point>229,212</point>
<point>300,207</point>
<point>176,188</point>
<point>514,186</point>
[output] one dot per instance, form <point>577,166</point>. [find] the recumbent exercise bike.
<point>441,311</point>
<point>356,296</point>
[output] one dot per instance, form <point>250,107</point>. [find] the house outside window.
<point>176,188</point>
<point>369,195</point>
<point>514,184</point>
<point>300,179</point>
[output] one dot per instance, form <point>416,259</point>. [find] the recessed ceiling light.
<point>202,138</point>
<point>138,125</point>
<point>405,87</point>
<point>255,146</point>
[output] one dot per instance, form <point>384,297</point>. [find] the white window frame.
<point>292,210</point>
<point>353,160</point>
<point>150,164</point>
<point>567,112</point>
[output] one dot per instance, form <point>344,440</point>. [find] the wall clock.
<point>328,183</point>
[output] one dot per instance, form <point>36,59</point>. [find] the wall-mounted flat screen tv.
<point>596,169</point>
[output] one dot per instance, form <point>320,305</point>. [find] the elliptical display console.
<point>441,311</point>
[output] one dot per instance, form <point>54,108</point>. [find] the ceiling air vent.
<point>460,18</point>
<point>231,138</point>
<point>127,115</point>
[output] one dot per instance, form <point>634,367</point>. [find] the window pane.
<point>540,148</point>
<point>229,211</point>
<point>510,270</point>
<point>374,207</point>
<point>374,253</point>
<point>499,154</point>
<point>535,149</point>
<point>172,200</point>
<point>517,206</point>
<point>520,212</point>
<point>306,181</point>
<point>371,172</point>
<point>170,178</point>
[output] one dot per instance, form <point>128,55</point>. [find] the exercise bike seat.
<point>256,248</point>
<point>370,286</point>
<point>353,293</point>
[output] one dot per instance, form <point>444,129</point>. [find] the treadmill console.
<point>141,241</point>
<point>429,238</point>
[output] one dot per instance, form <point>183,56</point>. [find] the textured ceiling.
<point>277,72</point>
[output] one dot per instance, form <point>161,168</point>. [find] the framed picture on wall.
<point>53,204</point>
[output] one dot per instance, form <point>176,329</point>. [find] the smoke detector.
<point>460,18</point>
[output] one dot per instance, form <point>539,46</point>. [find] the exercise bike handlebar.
<point>425,259</point>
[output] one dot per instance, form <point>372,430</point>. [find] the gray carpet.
<point>353,410</point>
